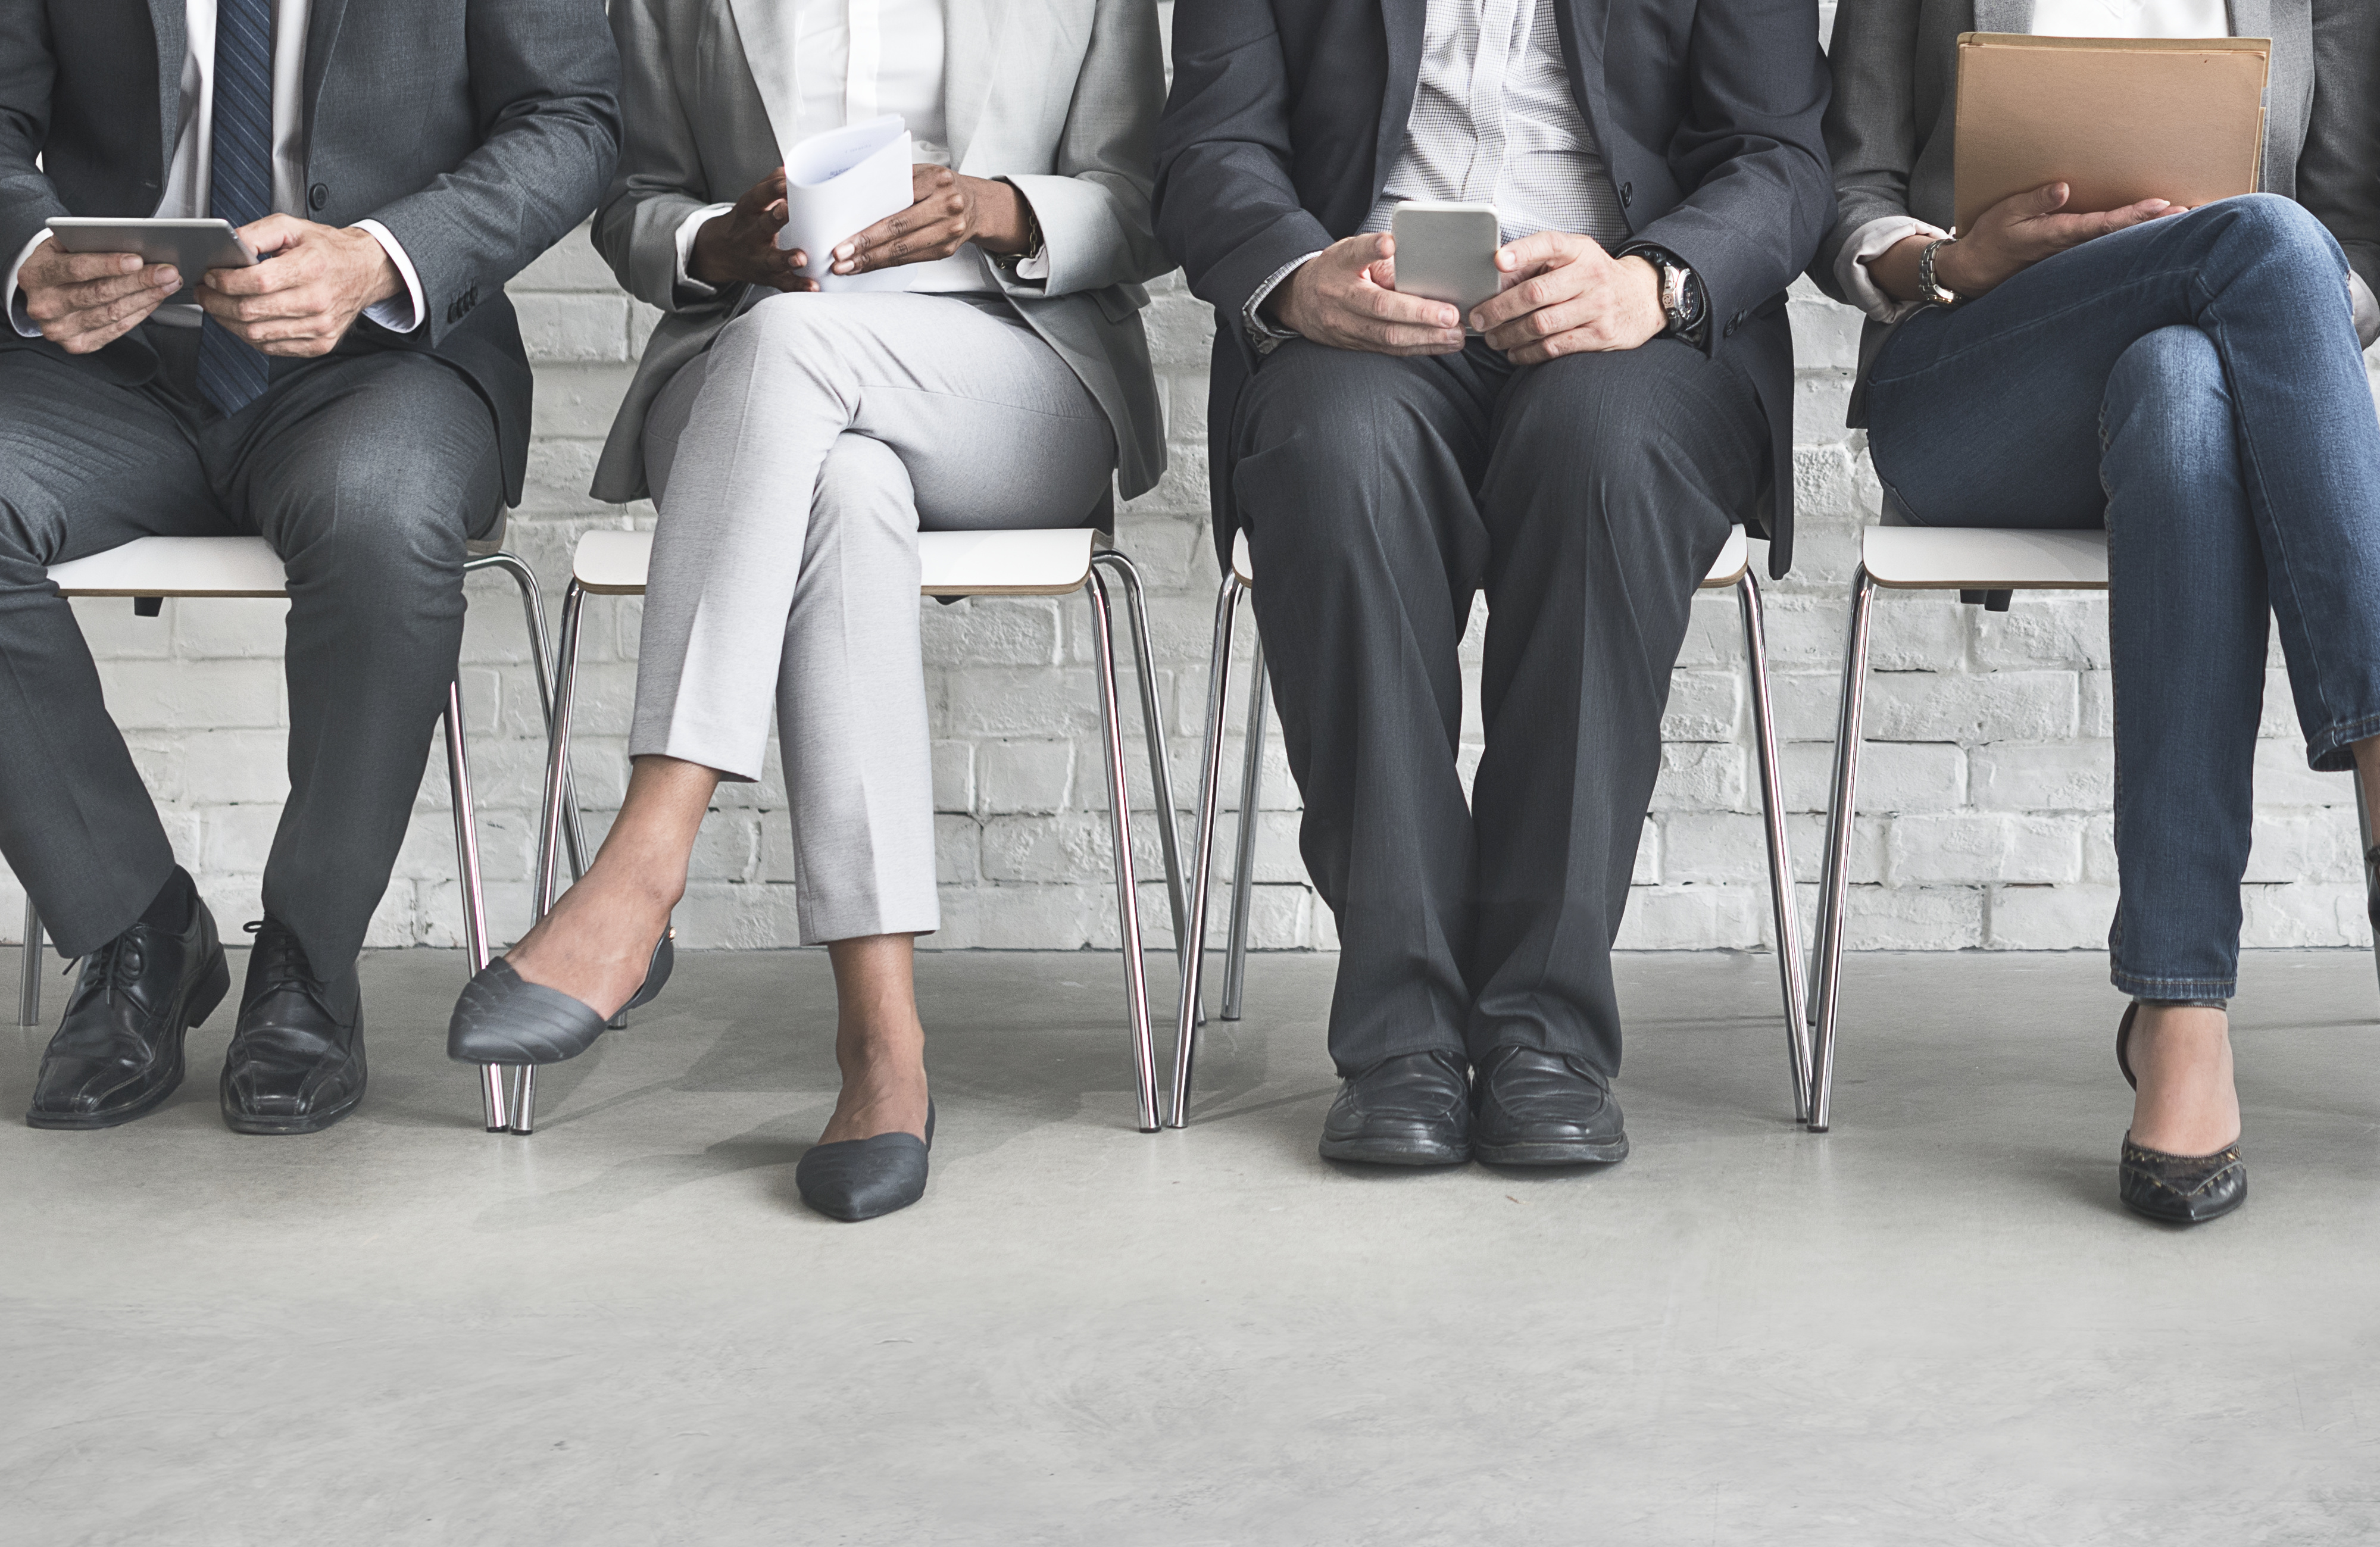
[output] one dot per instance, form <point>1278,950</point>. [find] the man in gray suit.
<point>1657,173</point>
<point>360,398</point>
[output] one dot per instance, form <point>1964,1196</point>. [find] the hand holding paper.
<point>841,183</point>
<point>740,247</point>
<point>948,211</point>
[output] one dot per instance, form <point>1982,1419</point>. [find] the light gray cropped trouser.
<point>794,463</point>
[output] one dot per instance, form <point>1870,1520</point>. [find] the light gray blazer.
<point>1059,97</point>
<point>1889,128</point>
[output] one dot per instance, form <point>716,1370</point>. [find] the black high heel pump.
<point>505,1018</point>
<point>2175,1188</point>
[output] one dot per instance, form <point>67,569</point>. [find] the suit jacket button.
<point>317,196</point>
<point>1627,192</point>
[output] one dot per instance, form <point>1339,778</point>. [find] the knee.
<point>2278,228</point>
<point>863,489</point>
<point>2168,391</point>
<point>381,521</point>
<point>1330,438</point>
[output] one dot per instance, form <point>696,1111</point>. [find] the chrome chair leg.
<point>522,1096</point>
<point>1202,848</point>
<point>475,898</point>
<point>1834,886</point>
<point>541,656</point>
<point>1136,980</point>
<point>1244,861</point>
<point>1153,716</point>
<point>28,988</point>
<point>1780,863</point>
<point>2363,824</point>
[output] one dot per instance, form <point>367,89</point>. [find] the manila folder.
<point>2115,119</point>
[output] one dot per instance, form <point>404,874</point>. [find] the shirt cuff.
<point>22,319</point>
<point>1261,333</point>
<point>685,230</point>
<point>1875,240</point>
<point>398,314</point>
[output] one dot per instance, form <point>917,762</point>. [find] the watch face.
<point>1689,302</point>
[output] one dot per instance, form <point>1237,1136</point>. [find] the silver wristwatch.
<point>1929,288</point>
<point>1684,303</point>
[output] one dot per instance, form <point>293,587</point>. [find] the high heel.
<point>505,1018</point>
<point>2371,885</point>
<point>2175,1188</point>
<point>859,1179</point>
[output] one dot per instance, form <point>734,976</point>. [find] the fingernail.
<point>843,251</point>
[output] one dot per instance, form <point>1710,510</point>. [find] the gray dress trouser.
<point>795,462</point>
<point>366,470</point>
<point>1588,497</point>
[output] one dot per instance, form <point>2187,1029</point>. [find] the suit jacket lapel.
<point>165,18</point>
<point>971,31</point>
<point>322,38</point>
<point>2003,15</point>
<point>1406,21</point>
<point>766,29</point>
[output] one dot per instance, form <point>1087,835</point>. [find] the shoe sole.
<point>1375,1153</point>
<point>280,1127</point>
<point>1569,1153</point>
<point>201,1004</point>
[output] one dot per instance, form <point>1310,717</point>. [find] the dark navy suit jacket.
<point>1286,116</point>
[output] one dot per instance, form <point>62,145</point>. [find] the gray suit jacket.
<point>1059,97</point>
<point>1888,129</point>
<point>477,131</point>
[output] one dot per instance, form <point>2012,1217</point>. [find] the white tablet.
<point>191,245</point>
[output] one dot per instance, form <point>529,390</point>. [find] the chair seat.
<point>177,567</point>
<point>1037,562</point>
<point>1725,569</point>
<point>1984,559</point>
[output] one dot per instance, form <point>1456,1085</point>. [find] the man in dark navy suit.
<point>1658,178</point>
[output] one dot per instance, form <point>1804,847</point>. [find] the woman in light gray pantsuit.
<point>795,442</point>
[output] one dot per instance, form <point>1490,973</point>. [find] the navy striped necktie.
<point>231,373</point>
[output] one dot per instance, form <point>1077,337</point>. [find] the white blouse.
<point>853,60</point>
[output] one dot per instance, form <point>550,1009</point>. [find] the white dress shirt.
<point>187,179</point>
<point>856,60</point>
<point>1493,122</point>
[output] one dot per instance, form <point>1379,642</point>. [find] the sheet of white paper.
<point>837,185</point>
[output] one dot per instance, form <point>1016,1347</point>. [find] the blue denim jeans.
<point>2196,384</point>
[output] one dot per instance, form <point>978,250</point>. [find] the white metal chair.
<point>151,569</point>
<point>1732,570</point>
<point>1039,563</point>
<point>1985,565</point>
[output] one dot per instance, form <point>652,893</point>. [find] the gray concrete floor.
<point>1932,1325</point>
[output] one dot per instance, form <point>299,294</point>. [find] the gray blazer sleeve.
<point>545,89</point>
<point>1872,133</point>
<point>1094,206</point>
<point>2339,175</point>
<point>661,179</point>
<point>26,73</point>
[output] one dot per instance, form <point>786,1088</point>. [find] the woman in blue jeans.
<point>2193,381</point>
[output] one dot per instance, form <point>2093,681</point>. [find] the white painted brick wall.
<point>1986,788</point>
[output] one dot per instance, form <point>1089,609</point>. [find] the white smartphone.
<point>1447,253</point>
<point>191,245</point>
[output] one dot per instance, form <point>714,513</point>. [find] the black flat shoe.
<point>1542,1109</point>
<point>505,1018</point>
<point>1414,1109</point>
<point>859,1179</point>
<point>2181,1189</point>
<point>118,1054</point>
<point>2371,885</point>
<point>2177,1189</point>
<point>295,1063</point>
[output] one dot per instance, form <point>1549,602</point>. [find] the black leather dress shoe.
<point>1410,1110</point>
<point>1542,1109</point>
<point>118,1051</point>
<point>295,1064</point>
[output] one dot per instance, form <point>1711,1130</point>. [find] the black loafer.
<point>1542,1109</point>
<point>1414,1109</point>
<point>853,1180</point>
<point>118,1054</point>
<point>295,1064</point>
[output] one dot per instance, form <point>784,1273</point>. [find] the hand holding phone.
<point>1447,253</point>
<point>1345,298</point>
